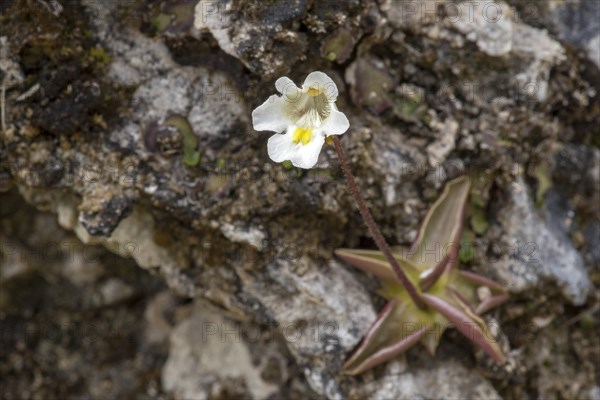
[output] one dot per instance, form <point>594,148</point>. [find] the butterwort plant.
<point>453,297</point>
<point>426,294</point>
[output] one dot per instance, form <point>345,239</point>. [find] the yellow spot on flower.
<point>302,135</point>
<point>313,92</point>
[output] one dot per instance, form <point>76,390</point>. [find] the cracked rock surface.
<point>127,272</point>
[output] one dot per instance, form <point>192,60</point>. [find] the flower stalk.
<point>373,228</point>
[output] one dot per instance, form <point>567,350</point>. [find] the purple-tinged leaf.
<point>482,281</point>
<point>431,339</point>
<point>394,331</point>
<point>468,324</point>
<point>438,241</point>
<point>475,317</point>
<point>374,262</point>
<point>431,276</point>
<point>464,302</point>
<point>491,302</point>
<point>466,284</point>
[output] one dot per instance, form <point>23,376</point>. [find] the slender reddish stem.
<point>373,229</point>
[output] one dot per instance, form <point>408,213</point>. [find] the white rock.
<point>436,380</point>
<point>537,251</point>
<point>206,348</point>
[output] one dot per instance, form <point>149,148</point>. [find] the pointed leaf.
<point>456,296</point>
<point>475,317</point>
<point>374,261</point>
<point>468,324</point>
<point>394,332</point>
<point>491,302</point>
<point>431,338</point>
<point>430,277</point>
<point>482,281</point>
<point>439,236</point>
<point>465,284</point>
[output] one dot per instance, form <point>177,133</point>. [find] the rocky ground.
<point>130,270</point>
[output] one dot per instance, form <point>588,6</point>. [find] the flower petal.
<point>285,84</point>
<point>282,148</point>
<point>321,81</point>
<point>307,155</point>
<point>336,124</point>
<point>270,115</point>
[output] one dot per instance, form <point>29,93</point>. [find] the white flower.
<point>307,115</point>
